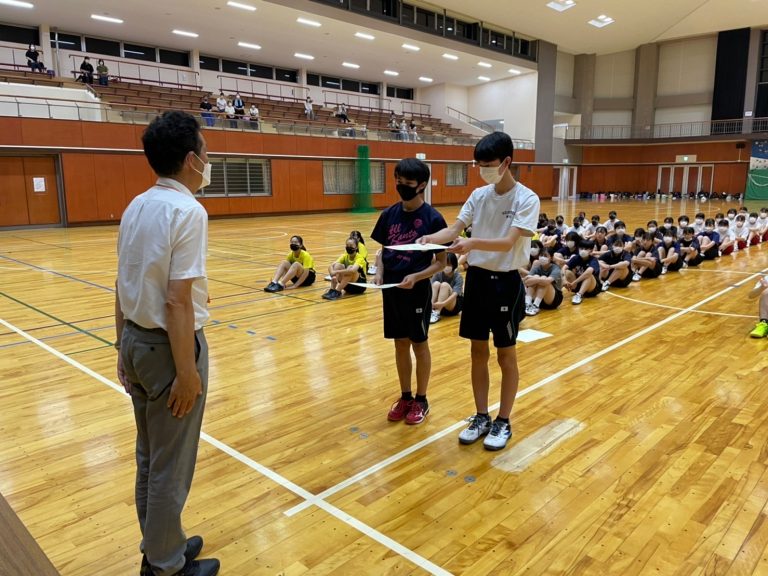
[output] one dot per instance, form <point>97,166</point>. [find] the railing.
<point>272,90</point>
<point>139,73</point>
<point>415,108</point>
<point>16,57</point>
<point>361,101</point>
<point>675,130</point>
<point>467,119</point>
<point>53,108</point>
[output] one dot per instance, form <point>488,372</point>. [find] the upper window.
<point>232,67</point>
<point>67,41</point>
<point>139,52</point>
<point>209,63</point>
<point>99,46</point>
<point>174,58</point>
<point>19,34</point>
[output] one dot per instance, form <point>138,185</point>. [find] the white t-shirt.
<point>742,232</point>
<point>492,215</point>
<point>727,235</point>
<point>163,236</point>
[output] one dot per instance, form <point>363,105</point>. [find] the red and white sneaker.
<point>418,413</point>
<point>399,410</point>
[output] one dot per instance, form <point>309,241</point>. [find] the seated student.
<point>590,226</point>
<point>221,103</point>
<point>541,226</point>
<point>239,106</point>
<point>550,237</point>
<point>569,249</point>
<point>229,110</point>
<point>611,222</point>
<point>637,240</point>
<point>298,267</point>
<point>755,236</point>
<point>709,241</point>
<point>682,222</point>
<point>33,59</point>
<point>669,226</point>
<point>761,290</point>
<point>689,248</point>
<point>653,229</point>
<point>447,290</point>
<point>727,238</point>
<point>600,238</point>
<point>762,222</point>
<point>741,231</point>
<point>619,232</point>
<point>577,227</point>
<point>731,217</point>
<point>536,247</point>
<point>669,252</point>
<point>582,273</point>
<point>646,262</point>
<point>698,223</point>
<point>615,266</point>
<point>350,267</point>
<point>544,285</point>
<point>253,116</point>
<point>86,71</point>
<point>362,250</point>
<point>560,224</point>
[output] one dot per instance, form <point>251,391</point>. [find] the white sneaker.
<point>478,426</point>
<point>576,299</point>
<point>606,285</point>
<point>636,277</point>
<point>372,269</point>
<point>685,264</point>
<point>498,436</point>
<point>663,270</point>
<point>434,317</point>
<point>531,310</point>
<point>328,278</point>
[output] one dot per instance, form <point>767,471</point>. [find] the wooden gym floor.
<point>640,433</point>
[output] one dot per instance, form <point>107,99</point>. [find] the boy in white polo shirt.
<point>503,216</point>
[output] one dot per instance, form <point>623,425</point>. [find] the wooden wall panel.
<point>43,132</point>
<point>43,207</point>
<point>109,171</point>
<point>80,187</point>
<point>10,131</point>
<point>217,206</point>
<point>138,176</point>
<point>13,193</point>
<point>664,153</point>
<point>281,182</point>
<point>104,135</point>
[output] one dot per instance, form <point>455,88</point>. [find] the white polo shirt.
<point>163,236</point>
<point>491,216</point>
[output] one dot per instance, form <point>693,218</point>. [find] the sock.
<point>481,415</point>
<point>406,396</point>
<point>537,302</point>
<point>500,419</point>
<point>528,300</point>
<point>281,284</point>
<point>422,398</point>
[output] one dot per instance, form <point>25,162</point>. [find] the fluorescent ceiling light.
<point>133,52</point>
<point>411,47</point>
<point>17,4</point>
<point>185,33</point>
<point>350,65</point>
<point>104,18</point>
<point>304,56</point>
<point>561,5</point>
<point>450,56</point>
<point>485,64</point>
<point>484,78</point>
<point>308,22</point>
<point>249,45</point>
<point>514,71</point>
<point>601,21</point>
<point>391,73</point>
<point>364,36</point>
<point>425,79</point>
<point>242,6</point>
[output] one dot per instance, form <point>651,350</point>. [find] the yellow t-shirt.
<point>304,259</point>
<point>348,261</point>
<point>362,250</point>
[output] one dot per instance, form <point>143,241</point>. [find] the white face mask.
<point>739,224</point>
<point>667,225</point>
<point>584,253</point>
<point>683,223</point>
<point>620,231</point>
<point>699,221</point>
<point>722,229</point>
<point>752,220</point>
<point>543,260</point>
<point>651,229</point>
<point>534,251</point>
<point>618,249</point>
<point>490,174</point>
<point>668,239</point>
<point>206,173</point>
<point>571,244</point>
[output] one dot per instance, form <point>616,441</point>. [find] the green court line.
<point>59,320</point>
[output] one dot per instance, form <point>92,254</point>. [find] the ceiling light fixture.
<point>484,78</point>
<point>450,56</point>
<point>601,21</point>
<point>241,6</point>
<point>425,79</point>
<point>304,56</point>
<point>17,4</point>
<point>514,71</point>
<point>308,22</point>
<point>364,36</point>
<point>249,45</point>
<point>350,65</point>
<point>411,47</point>
<point>391,73</point>
<point>485,64</point>
<point>185,33</point>
<point>106,19</point>
<point>561,5</point>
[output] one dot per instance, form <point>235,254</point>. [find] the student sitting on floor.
<point>298,268</point>
<point>709,240</point>
<point>669,252</point>
<point>544,285</point>
<point>731,217</point>
<point>350,267</point>
<point>755,236</point>
<point>582,273</point>
<point>612,218</point>
<point>569,249</point>
<point>669,226</point>
<point>653,229</point>
<point>762,222</point>
<point>600,240</point>
<point>761,290</point>
<point>682,223</point>
<point>550,237</point>
<point>698,223</point>
<point>689,248</point>
<point>560,224</point>
<point>447,290</point>
<point>615,266</point>
<point>727,238</point>
<point>536,247</point>
<point>742,232</point>
<point>646,263</point>
<point>619,231</point>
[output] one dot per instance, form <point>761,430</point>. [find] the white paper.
<point>38,184</point>
<point>371,285</point>
<point>417,247</point>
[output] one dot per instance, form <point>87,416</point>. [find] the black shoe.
<point>329,295</point>
<point>271,287</point>
<point>194,546</point>
<point>279,287</point>
<point>207,567</point>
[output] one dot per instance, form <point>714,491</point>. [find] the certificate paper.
<point>372,285</point>
<point>419,247</point>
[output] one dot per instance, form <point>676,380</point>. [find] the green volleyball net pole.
<point>363,202</point>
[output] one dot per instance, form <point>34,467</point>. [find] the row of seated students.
<point>676,195</point>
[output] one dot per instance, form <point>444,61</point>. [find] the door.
<point>29,194</point>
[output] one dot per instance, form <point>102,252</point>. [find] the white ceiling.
<point>273,26</point>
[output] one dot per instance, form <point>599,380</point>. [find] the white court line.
<point>654,304</point>
<point>351,521</point>
<point>541,383</point>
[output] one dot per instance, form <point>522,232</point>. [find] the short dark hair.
<point>494,146</point>
<point>587,244</point>
<point>619,224</point>
<point>412,169</point>
<point>168,140</point>
<point>453,261</point>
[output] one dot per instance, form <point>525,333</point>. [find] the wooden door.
<point>42,190</point>
<point>13,195</point>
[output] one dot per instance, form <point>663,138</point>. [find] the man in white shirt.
<point>503,215</point>
<point>160,309</point>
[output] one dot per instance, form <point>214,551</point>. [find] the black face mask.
<point>295,247</point>
<point>350,250</point>
<point>407,192</point>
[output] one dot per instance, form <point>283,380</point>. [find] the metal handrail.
<point>353,100</point>
<point>416,108</point>
<point>259,87</point>
<point>471,120</point>
<point>670,130</point>
<point>22,56</point>
<point>141,73</point>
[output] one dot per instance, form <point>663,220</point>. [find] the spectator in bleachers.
<point>221,103</point>
<point>394,127</point>
<point>341,113</point>
<point>253,116</point>
<point>404,130</point>
<point>229,110</point>
<point>206,113</point>
<point>309,111</point>
<point>239,106</point>
<point>33,60</point>
<point>103,73</point>
<point>86,71</point>
<point>412,131</point>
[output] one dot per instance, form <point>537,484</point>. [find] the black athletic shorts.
<point>350,289</point>
<point>493,302</point>
<point>407,312</point>
<point>456,308</point>
<point>623,282</point>
<point>654,272</point>
<point>556,301</point>
<point>309,280</point>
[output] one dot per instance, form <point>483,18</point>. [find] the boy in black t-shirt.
<point>408,306</point>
